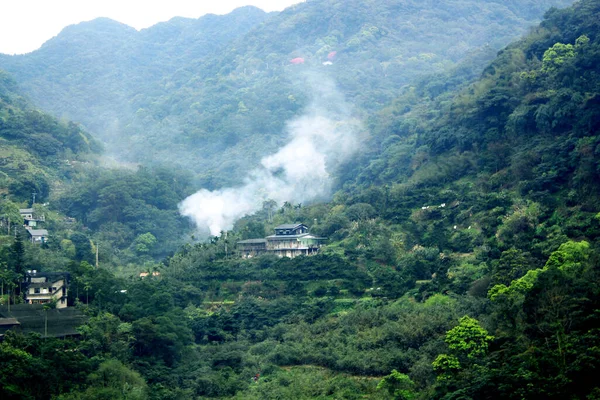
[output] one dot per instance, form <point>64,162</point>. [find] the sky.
<point>26,24</point>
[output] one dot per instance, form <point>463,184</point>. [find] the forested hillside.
<point>35,146</point>
<point>129,214</point>
<point>462,262</point>
<point>169,94</point>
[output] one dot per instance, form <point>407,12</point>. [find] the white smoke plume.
<point>322,138</point>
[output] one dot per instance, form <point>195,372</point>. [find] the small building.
<point>30,217</point>
<point>289,240</point>
<point>26,213</point>
<point>38,235</point>
<point>46,287</point>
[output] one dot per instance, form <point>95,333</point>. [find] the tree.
<point>398,385</point>
<point>83,247</point>
<point>468,343</point>
<point>112,380</point>
<point>144,243</point>
<point>556,56</point>
<point>17,255</point>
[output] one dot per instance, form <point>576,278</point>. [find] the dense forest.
<point>198,92</point>
<point>462,260</point>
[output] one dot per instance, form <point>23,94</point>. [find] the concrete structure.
<point>42,288</point>
<point>26,213</point>
<point>289,240</point>
<point>37,235</point>
<point>29,214</point>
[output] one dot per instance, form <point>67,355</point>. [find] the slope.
<point>91,71</point>
<point>217,112</point>
<point>36,148</point>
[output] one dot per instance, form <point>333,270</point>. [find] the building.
<point>38,235</point>
<point>26,213</point>
<point>42,288</point>
<point>289,240</point>
<point>30,217</point>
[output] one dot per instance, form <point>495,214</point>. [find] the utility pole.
<point>33,202</point>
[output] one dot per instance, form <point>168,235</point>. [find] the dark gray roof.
<point>285,237</point>
<point>252,241</point>
<point>38,232</point>
<point>288,226</point>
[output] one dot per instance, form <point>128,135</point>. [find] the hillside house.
<point>26,213</point>
<point>289,240</point>
<point>37,235</point>
<point>45,287</point>
<point>30,218</point>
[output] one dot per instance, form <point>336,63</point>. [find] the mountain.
<point>129,213</point>
<point>101,66</point>
<point>463,259</point>
<point>214,94</point>
<point>36,147</point>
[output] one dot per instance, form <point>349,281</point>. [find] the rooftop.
<point>38,232</point>
<point>288,226</point>
<point>285,237</point>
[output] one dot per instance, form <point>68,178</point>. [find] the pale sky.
<point>26,24</point>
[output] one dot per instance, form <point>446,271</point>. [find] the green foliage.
<point>556,56</point>
<point>112,380</point>
<point>223,86</point>
<point>399,385</point>
<point>468,338</point>
<point>462,190</point>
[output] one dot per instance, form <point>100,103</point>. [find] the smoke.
<point>319,141</point>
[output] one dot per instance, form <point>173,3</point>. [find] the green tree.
<point>467,342</point>
<point>17,255</point>
<point>556,56</point>
<point>144,243</point>
<point>83,247</point>
<point>398,385</point>
<point>112,380</point>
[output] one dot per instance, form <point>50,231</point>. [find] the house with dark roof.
<point>42,288</point>
<point>38,235</point>
<point>26,213</point>
<point>289,240</point>
<point>30,217</point>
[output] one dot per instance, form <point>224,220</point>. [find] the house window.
<point>36,290</point>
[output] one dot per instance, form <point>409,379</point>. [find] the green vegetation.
<point>224,88</point>
<point>462,263</point>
